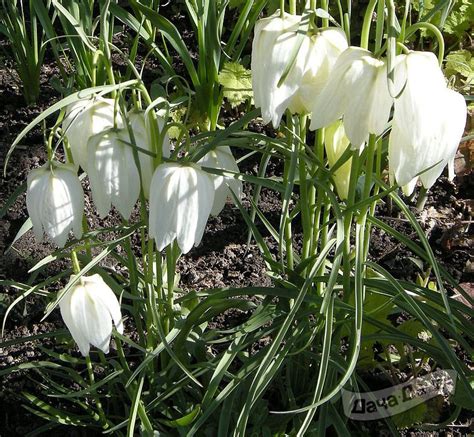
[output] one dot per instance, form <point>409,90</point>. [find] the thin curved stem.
<point>435,31</point>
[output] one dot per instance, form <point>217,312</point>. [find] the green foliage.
<point>456,22</point>
<point>410,417</point>
<point>297,341</point>
<point>236,81</point>
<point>271,5</point>
<point>26,41</point>
<point>462,396</point>
<point>460,62</point>
<point>461,19</point>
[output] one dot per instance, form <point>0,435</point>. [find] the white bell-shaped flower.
<point>325,47</point>
<point>357,90</point>
<point>275,39</point>
<point>272,47</point>
<point>222,158</point>
<point>88,309</point>
<point>428,121</point>
<point>55,202</point>
<point>86,118</point>
<point>142,135</point>
<point>336,143</point>
<point>113,174</point>
<point>181,199</point>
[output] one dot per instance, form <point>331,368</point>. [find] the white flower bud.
<point>142,135</point>
<point>112,172</point>
<point>357,90</point>
<point>222,158</point>
<point>86,118</point>
<point>88,310</point>
<point>428,121</point>
<point>336,144</point>
<point>181,198</point>
<point>55,202</point>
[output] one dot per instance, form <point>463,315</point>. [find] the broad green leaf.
<point>236,81</point>
<point>461,62</point>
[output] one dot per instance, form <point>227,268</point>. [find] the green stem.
<point>435,31</point>
<point>318,203</point>
<point>325,6</point>
<point>287,231</point>
<point>75,262</point>
<point>347,256</point>
<point>293,7</point>
<point>132,268</point>
<point>404,21</point>
<point>98,404</point>
<point>95,62</point>
<point>364,37</point>
<point>379,27</point>
<point>305,205</point>
<point>156,136</point>
<point>362,218</point>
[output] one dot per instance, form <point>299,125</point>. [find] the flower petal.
<point>108,299</point>
<point>332,102</point>
<point>86,118</point>
<point>163,210</point>
<point>272,47</point>
<point>70,320</point>
<point>325,48</point>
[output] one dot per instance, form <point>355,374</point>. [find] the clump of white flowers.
<point>296,67</point>
<point>119,154</point>
<point>334,82</point>
<point>275,40</point>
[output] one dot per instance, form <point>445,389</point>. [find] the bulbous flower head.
<point>428,121</point>
<point>357,90</point>
<point>181,199</point>
<point>336,143</point>
<point>274,40</point>
<point>325,47</point>
<point>142,134</point>
<point>55,202</point>
<point>113,174</point>
<point>86,118</point>
<point>88,309</point>
<point>222,158</point>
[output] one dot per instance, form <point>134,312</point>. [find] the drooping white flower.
<point>357,90</point>
<point>181,199</point>
<point>86,118</point>
<point>275,39</point>
<point>113,174</point>
<point>324,49</point>
<point>142,134</point>
<point>428,121</point>
<point>272,47</point>
<point>336,143</point>
<point>222,158</point>
<point>55,202</point>
<point>88,309</point>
